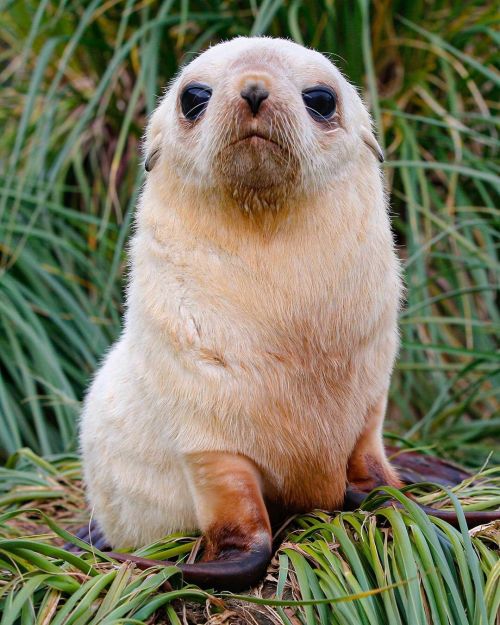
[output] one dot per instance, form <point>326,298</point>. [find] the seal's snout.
<point>254,93</point>
<point>258,161</point>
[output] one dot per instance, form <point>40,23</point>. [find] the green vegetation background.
<point>78,80</point>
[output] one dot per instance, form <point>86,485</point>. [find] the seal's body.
<point>260,331</point>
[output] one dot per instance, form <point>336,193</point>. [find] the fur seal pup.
<point>261,325</point>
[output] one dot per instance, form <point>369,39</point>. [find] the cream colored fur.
<point>261,307</point>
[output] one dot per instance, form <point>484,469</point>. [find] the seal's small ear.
<point>372,143</point>
<point>152,155</point>
<point>153,141</point>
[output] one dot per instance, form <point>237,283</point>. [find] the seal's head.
<point>259,120</point>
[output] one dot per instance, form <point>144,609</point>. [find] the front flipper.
<point>414,467</point>
<point>368,465</point>
<point>235,570</point>
<point>234,519</point>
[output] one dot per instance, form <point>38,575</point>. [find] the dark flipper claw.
<point>234,571</point>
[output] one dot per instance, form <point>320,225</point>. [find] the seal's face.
<point>261,119</point>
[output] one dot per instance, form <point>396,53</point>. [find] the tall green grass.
<point>386,567</point>
<point>78,82</point>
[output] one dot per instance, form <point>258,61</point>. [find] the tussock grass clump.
<point>386,566</point>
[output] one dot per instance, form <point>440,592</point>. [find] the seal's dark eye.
<point>194,100</point>
<point>320,102</point>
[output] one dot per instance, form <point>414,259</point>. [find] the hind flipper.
<point>91,534</point>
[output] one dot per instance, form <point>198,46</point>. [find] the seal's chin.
<point>256,172</point>
<point>254,161</point>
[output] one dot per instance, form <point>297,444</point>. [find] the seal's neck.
<point>217,215</point>
<point>244,210</point>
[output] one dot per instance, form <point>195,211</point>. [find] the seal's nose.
<point>254,95</point>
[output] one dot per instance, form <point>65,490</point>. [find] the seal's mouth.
<point>255,139</point>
